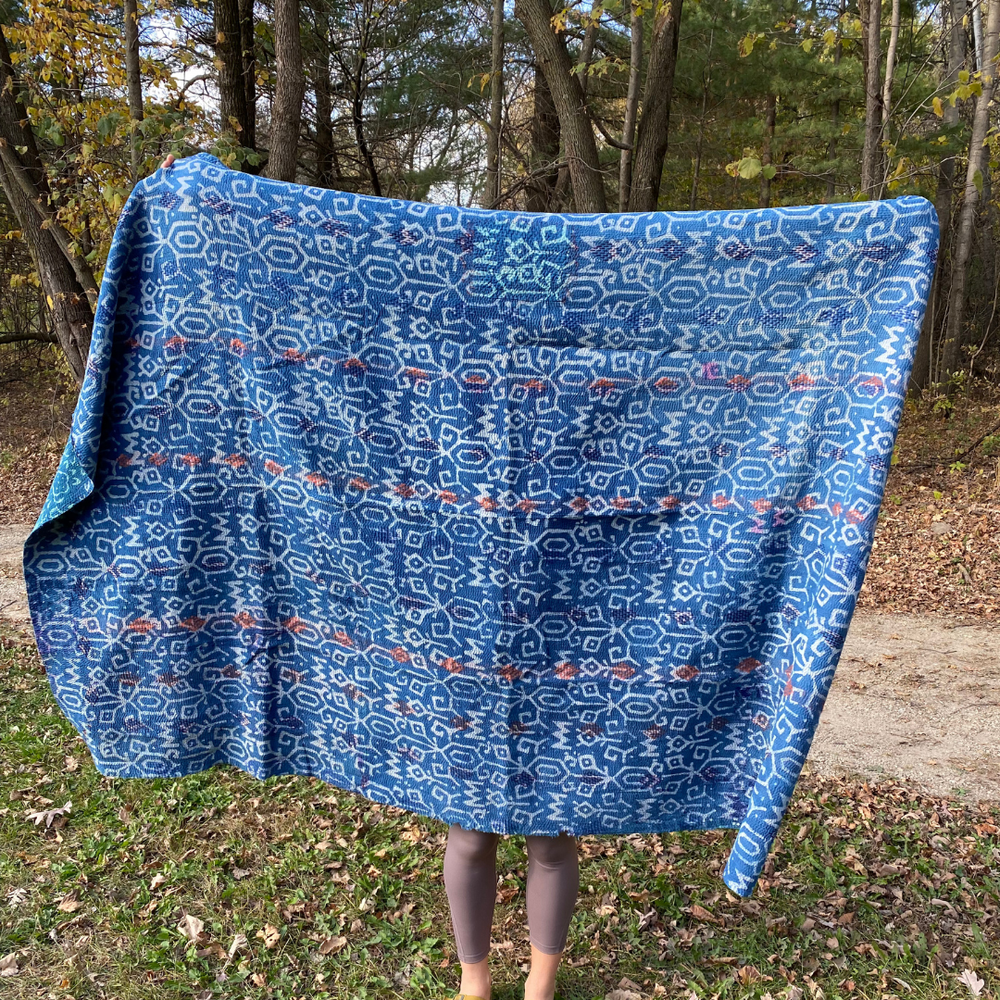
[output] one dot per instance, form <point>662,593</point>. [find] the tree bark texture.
<point>587,48</point>
<point>567,95</point>
<point>229,52</point>
<point>248,61</point>
<point>925,367</point>
<point>951,358</point>
<point>69,305</point>
<point>544,147</point>
<point>631,111</point>
<point>324,106</point>
<point>890,68</point>
<point>134,80</point>
<point>491,194</point>
<point>651,142</point>
<point>286,110</point>
<point>831,150</point>
<point>871,25</point>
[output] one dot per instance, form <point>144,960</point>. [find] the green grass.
<point>871,891</point>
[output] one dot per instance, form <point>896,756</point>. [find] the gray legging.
<point>470,879</point>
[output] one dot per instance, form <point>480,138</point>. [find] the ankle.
<point>476,981</point>
<point>539,987</point>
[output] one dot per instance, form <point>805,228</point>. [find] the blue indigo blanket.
<point>528,522</point>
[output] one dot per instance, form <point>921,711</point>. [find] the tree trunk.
<point>134,79</point>
<point>706,77</point>
<point>651,143</point>
<point>831,150</point>
<point>977,34</point>
<point>890,63</point>
<point>229,53</point>
<point>69,305</point>
<point>289,88</point>
<point>951,348</point>
<point>491,194</point>
<point>871,26</point>
<point>357,115</point>
<point>65,283</point>
<point>587,48</point>
<point>574,121</point>
<point>631,111</point>
<point>925,367</point>
<point>324,107</point>
<point>890,66</point>
<point>765,159</point>
<point>248,66</point>
<point>544,147</point>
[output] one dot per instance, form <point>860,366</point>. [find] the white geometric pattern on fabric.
<point>528,522</point>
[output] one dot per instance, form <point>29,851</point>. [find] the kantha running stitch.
<point>528,522</point>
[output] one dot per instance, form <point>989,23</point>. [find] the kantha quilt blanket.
<point>529,522</point>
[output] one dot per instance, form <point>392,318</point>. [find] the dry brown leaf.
<point>700,913</point>
<point>50,816</point>
<point>332,945</point>
<point>240,943</point>
<point>270,935</point>
<point>191,927</point>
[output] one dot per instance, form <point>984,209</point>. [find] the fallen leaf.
<point>49,815</point>
<point>970,980</point>
<point>213,948</point>
<point>700,913</point>
<point>8,965</point>
<point>332,945</point>
<point>240,943</point>
<point>156,881</point>
<point>886,870</point>
<point>191,927</point>
<point>270,935</point>
<point>15,897</point>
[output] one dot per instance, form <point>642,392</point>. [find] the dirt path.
<point>914,696</point>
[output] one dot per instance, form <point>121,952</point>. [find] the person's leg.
<point>553,884</point>
<point>470,880</point>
